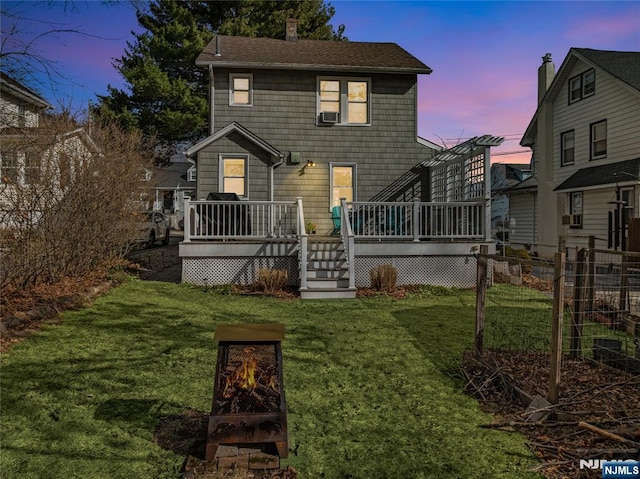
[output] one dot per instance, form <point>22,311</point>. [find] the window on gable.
<point>233,175</point>
<point>22,115</point>
<point>348,97</point>
<point>582,86</point>
<point>598,140</point>
<point>240,89</point>
<point>567,152</point>
<point>9,168</point>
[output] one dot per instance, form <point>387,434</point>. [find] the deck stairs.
<point>327,270</point>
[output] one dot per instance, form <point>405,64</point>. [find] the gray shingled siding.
<point>284,115</point>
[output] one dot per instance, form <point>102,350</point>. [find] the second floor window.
<point>598,140</point>
<point>240,89</point>
<point>567,140</point>
<point>348,97</point>
<point>582,86</point>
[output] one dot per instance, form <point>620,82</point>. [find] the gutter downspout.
<point>211,100</point>
<point>272,167</point>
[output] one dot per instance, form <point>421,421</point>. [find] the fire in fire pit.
<point>248,397</point>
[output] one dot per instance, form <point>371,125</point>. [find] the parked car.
<point>155,228</point>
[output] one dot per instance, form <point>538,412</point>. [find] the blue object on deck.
<point>335,216</point>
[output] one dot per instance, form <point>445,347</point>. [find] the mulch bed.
<point>591,395</point>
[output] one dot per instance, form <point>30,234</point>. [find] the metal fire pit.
<point>248,394</point>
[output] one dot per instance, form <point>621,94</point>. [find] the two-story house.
<point>37,161</point>
<point>20,110</point>
<point>585,137</point>
<point>308,118</point>
<point>315,135</point>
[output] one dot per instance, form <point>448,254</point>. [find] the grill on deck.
<point>248,395</point>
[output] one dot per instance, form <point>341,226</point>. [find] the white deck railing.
<point>207,220</point>
<point>220,220</point>
<point>417,220</point>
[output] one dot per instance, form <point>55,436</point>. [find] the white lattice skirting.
<point>235,270</point>
<point>457,271</point>
<point>450,271</point>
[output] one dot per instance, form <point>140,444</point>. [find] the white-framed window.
<point>598,140</point>
<point>9,167</point>
<point>350,98</point>
<point>575,209</point>
<point>567,148</point>
<point>32,168</point>
<point>233,174</point>
<point>582,86</point>
<point>240,89</point>
<point>22,115</point>
<point>191,174</point>
<point>342,182</point>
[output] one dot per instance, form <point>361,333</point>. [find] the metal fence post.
<point>481,293</point>
<point>556,328</point>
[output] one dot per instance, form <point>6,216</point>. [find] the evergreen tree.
<point>167,93</point>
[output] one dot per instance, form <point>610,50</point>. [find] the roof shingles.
<point>620,172</point>
<point>266,53</point>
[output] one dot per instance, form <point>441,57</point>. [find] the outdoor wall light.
<point>310,164</point>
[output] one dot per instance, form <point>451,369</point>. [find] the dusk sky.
<point>484,55</point>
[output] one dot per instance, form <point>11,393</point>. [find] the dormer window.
<point>582,86</point>
<point>344,101</point>
<point>240,89</point>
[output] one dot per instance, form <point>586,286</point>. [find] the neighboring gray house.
<point>171,184</point>
<point>585,137</point>
<point>349,108</point>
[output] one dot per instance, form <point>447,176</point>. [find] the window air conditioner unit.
<point>566,219</point>
<point>329,117</point>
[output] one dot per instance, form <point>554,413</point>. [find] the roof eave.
<point>313,67</point>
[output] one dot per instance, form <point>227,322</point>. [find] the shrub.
<point>519,253</point>
<point>270,280</point>
<point>384,277</point>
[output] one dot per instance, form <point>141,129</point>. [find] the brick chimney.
<point>546,73</point>
<point>292,30</point>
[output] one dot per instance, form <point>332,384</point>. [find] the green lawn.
<point>368,386</point>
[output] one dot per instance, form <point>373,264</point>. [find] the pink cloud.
<point>606,31</point>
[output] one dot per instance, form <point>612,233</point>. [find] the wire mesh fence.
<point>605,308</point>
<point>585,308</point>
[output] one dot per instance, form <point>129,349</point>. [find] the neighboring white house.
<point>585,137</point>
<point>31,153</point>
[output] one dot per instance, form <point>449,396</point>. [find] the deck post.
<point>302,235</point>
<point>186,229</point>
<point>416,219</point>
